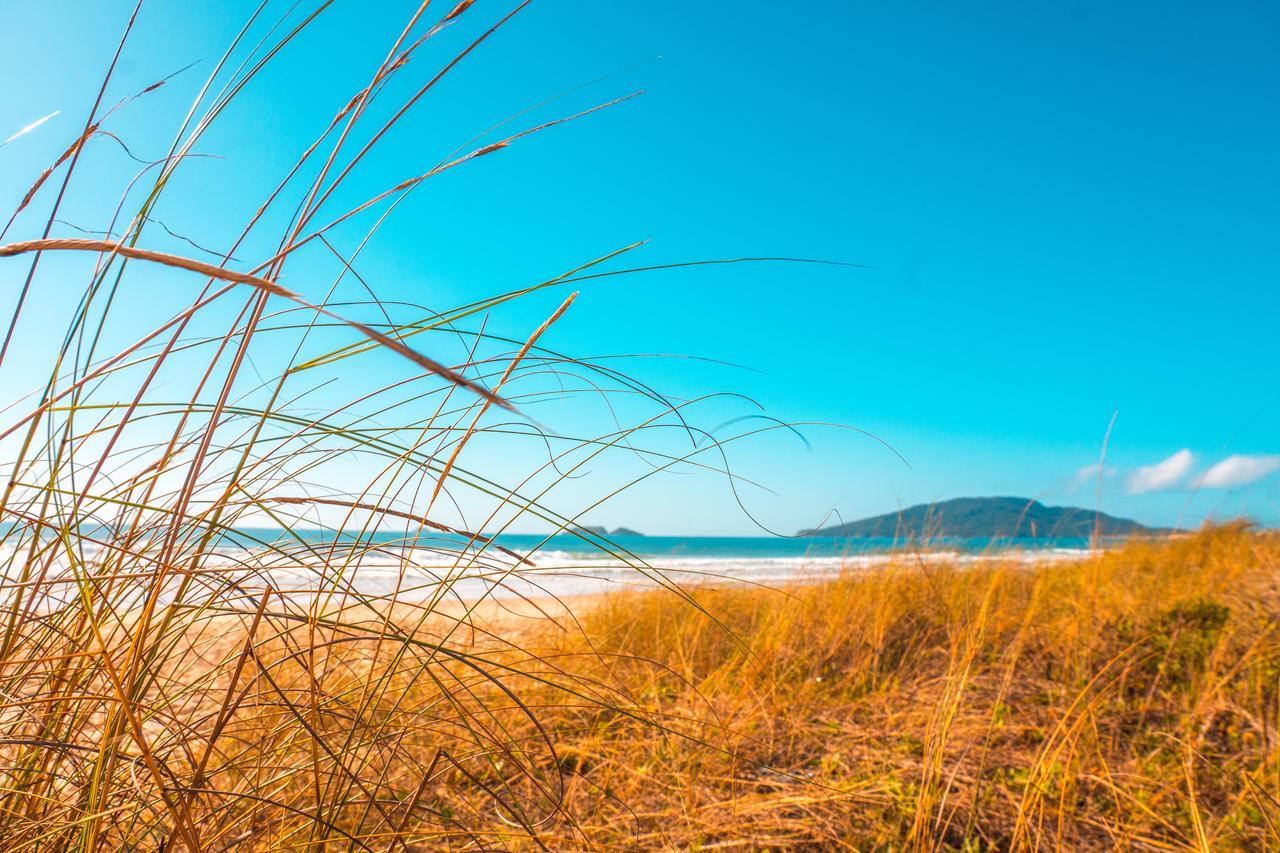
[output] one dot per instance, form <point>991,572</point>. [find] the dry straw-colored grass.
<point>171,679</point>
<point>172,676</point>
<point>1127,700</point>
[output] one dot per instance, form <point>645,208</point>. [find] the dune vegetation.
<point>1127,700</point>
<point>249,592</point>
<point>246,527</point>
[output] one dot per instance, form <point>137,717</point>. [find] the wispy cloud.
<point>1239,470</point>
<point>24,131</point>
<point>1090,474</point>
<point>1162,475</point>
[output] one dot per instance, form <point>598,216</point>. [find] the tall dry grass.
<point>1126,701</point>
<point>172,676</point>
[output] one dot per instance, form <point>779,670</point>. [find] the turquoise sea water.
<point>303,562</point>
<point>569,563</point>
<point>692,547</point>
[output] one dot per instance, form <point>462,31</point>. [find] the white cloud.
<point>1162,475</point>
<point>1239,470</point>
<point>1089,474</point>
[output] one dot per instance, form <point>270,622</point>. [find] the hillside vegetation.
<point>989,518</point>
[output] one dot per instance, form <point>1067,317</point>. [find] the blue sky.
<point>1068,209</point>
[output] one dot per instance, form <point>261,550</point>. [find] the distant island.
<point>979,518</point>
<point>617,531</point>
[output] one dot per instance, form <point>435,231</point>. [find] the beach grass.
<point>1127,700</point>
<point>245,596</point>
<point>171,680</point>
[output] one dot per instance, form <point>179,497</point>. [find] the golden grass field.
<point>1125,700</point>
<point>163,688</point>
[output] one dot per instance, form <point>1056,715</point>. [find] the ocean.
<point>568,564</point>
<point>300,563</point>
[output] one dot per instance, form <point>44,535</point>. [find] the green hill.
<point>974,518</point>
